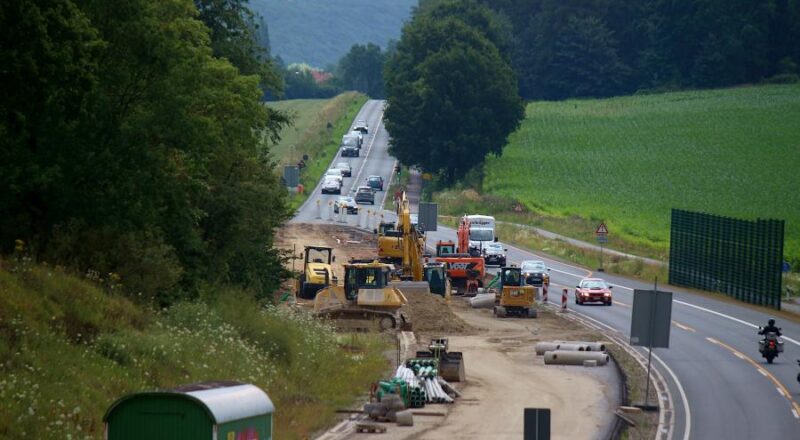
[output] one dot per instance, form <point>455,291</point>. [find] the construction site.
<point>474,349</point>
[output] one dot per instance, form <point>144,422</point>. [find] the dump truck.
<point>317,271</point>
<point>451,363</point>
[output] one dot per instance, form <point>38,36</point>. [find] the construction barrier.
<point>544,294</point>
<point>329,215</point>
<point>319,210</point>
<point>564,301</point>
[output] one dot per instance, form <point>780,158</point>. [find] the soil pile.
<point>431,314</point>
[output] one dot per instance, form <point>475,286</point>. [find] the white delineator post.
<point>564,301</point>
<point>319,210</point>
<point>330,211</point>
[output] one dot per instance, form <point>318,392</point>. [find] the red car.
<point>593,290</point>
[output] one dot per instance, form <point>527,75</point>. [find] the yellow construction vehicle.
<point>365,300</point>
<point>515,298</point>
<point>317,271</point>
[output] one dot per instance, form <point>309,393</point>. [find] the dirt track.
<point>504,376</point>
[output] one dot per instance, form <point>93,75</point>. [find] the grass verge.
<point>635,378</point>
<point>317,136</point>
<point>69,348</point>
<point>562,250</point>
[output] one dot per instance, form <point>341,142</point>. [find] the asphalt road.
<point>720,386</point>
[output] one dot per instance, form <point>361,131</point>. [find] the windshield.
<point>533,266</point>
<point>593,284</point>
<point>481,235</point>
<point>350,141</point>
<point>334,172</point>
<point>342,165</point>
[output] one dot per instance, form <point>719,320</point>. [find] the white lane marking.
<point>780,391</point>
<point>763,373</point>
<point>796,416</point>
<point>388,185</point>
<point>688,428</point>
<point>739,356</point>
<point>713,312</point>
<point>354,183</point>
<point>540,257</point>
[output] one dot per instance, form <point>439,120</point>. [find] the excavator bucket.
<point>451,364</point>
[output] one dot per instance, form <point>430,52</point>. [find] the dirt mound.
<point>431,314</point>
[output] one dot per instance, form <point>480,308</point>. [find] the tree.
<point>361,69</point>
<point>452,97</point>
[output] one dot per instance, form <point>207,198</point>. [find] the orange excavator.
<point>466,270</point>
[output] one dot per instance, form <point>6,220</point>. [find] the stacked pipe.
<point>482,301</point>
<point>417,396</point>
<point>427,372</point>
<point>572,353</point>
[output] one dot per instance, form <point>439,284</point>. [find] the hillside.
<point>319,32</point>
<point>629,160</point>
<point>69,347</point>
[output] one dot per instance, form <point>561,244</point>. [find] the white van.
<point>481,231</point>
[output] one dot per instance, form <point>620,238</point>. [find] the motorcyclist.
<point>770,328</point>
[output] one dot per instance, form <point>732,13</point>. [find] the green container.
<point>205,411</point>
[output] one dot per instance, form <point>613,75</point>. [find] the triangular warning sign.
<point>602,229</point>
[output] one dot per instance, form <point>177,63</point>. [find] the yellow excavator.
<point>317,271</point>
<point>365,300</point>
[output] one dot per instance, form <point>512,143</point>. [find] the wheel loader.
<point>365,300</point>
<point>317,271</point>
<point>515,297</point>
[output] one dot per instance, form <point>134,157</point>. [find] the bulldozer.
<point>365,300</point>
<point>515,297</point>
<point>451,363</point>
<point>317,271</point>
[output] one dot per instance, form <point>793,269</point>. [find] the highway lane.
<point>719,375</point>
<point>730,390</point>
<point>374,159</point>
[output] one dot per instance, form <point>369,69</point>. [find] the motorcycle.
<point>770,346</point>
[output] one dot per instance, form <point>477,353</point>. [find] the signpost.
<point>602,238</point>
<point>650,326</point>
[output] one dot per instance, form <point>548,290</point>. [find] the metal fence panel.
<point>739,258</point>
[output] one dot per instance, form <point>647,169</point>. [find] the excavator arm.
<point>412,249</point>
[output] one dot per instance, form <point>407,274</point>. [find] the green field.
<point>629,160</point>
<point>304,113</point>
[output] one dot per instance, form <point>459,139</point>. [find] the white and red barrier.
<point>564,301</point>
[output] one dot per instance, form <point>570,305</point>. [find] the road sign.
<point>428,216</point>
<point>651,318</point>
<point>537,424</point>
<point>602,238</point>
<point>602,229</point>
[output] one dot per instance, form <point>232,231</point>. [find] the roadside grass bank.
<point>567,252</point>
<point>629,160</point>
<point>313,136</point>
<point>69,347</point>
<point>635,378</point>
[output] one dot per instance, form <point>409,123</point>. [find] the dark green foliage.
<point>127,146</point>
<point>452,98</point>
<point>362,70</point>
<point>565,48</point>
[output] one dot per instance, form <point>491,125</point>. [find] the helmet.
<point>771,322</point>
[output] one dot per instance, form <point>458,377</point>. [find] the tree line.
<point>132,142</point>
<point>593,48</point>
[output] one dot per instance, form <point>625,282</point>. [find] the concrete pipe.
<point>482,301</point>
<point>404,418</point>
<point>542,347</point>
<point>563,346</point>
<point>592,346</point>
<point>560,357</point>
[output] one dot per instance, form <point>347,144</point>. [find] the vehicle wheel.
<point>576,299</point>
<point>386,323</point>
<point>307,291</point>
<point>770,358</point>
<point>608,303</point>
<point>532,313</point>
<point>500,311</point>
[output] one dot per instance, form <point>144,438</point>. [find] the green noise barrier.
<point>739,258</point>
